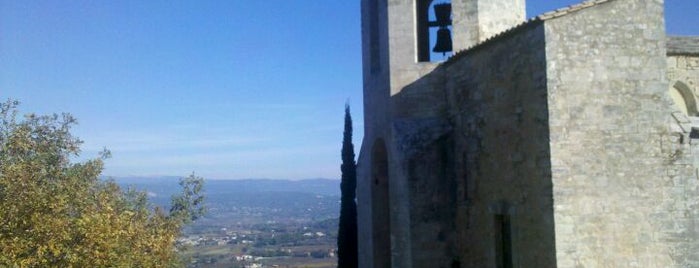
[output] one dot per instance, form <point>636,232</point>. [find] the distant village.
<point>292,240</point>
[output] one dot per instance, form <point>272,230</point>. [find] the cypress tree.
<point>347,233</point>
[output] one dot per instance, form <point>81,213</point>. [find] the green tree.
<point>347,233</point>
<point>57,213</point>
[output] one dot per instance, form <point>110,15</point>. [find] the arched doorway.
<point>381,220</point>
<point>683,97</point>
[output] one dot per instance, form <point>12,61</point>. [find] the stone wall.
<point>471,143</point>
<point>432,211</point>
<point>477,20</point>
<point>497,104</point>
<point>623,187</point>
<point>496,16</point>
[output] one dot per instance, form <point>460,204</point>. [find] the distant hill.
<point>251,200</point>
<point>169,185</point>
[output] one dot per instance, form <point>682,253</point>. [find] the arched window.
<point>684,99</point>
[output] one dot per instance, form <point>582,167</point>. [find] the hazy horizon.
<point>174,177</point>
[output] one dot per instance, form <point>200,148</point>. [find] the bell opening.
<point>434,40</point>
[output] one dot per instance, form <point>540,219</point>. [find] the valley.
<point>257,223</point>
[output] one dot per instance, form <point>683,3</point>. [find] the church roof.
<point>683,45</point>
<point>533,21</point>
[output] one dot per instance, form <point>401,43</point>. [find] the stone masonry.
<point>568,140</point>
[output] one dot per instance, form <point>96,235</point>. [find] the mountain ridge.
<point>168,185</point>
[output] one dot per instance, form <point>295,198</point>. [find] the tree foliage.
<point>56,213</point>
<point>347,233</point>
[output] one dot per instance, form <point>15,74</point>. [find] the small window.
<point>434,25</point>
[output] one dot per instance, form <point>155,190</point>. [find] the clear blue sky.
<point>228,89</point>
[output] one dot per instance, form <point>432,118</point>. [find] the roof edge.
<point>534,21</point>
<point>570,9</point>
<point>682,45</point>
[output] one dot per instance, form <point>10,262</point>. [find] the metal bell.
<point>442,12</point>
<point>443,41</point>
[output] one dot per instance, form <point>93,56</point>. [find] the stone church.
<point>567,140</point>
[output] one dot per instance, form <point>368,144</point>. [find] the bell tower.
<point>402,41</point>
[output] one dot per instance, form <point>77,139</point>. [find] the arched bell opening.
<point>381,220</point>
<point>434,28</point>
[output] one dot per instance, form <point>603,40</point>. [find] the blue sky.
<point>228,89</point>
